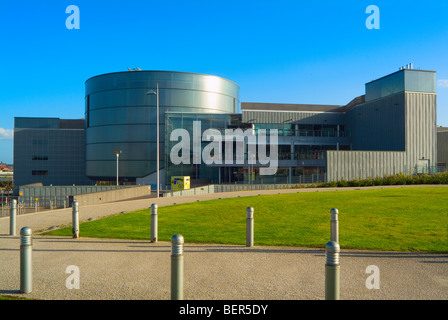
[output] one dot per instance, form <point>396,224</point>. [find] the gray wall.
<point>421,126</point>
<point>442,146</point>
<point>415,112</point>
<point>378,124</point>
<point>303,117</point>
<point>112,195</point>
<point>351,165</point>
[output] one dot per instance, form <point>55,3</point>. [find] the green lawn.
<point>397,219</point>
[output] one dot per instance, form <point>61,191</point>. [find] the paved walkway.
<point>124,269</point>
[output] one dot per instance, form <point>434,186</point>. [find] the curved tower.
<point>121,115</point>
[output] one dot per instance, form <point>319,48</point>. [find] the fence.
<point>6,207</point>
<point>51,197</point>
<point>38,198</point>
<point>303,179</point>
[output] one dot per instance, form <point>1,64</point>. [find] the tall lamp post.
<point>117,152</point>
<point>152,92</point>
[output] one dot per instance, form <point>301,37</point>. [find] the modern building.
<point>50,151</point>
<point>391,128</point>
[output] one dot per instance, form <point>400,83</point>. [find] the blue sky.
<point>277,51</point>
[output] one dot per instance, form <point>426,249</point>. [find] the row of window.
<point>313,152</point>
<point>39,173</point>
<point>40,158</point>
<point>303,130</point>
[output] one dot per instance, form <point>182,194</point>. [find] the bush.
<point>396,179</point>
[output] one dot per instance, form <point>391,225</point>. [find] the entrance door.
<point>422,166</point>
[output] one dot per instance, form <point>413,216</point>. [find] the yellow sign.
<point>180,183</point>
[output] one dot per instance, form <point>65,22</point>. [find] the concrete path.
<point>125,270</point>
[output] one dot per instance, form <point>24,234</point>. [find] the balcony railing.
<point>307,133</point>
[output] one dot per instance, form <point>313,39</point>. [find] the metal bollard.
<point>12,217</point>
<point>26,265</point>
<point>177,267</point>
<point>332,250</point>
<point>75,220</point>
<point>154,223</point>
<point>334,225</point>
<point>250,227</point>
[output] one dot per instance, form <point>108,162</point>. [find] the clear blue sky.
<point>277,51</point>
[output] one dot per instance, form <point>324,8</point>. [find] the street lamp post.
<point>151,92</point>
<point>117,152</point>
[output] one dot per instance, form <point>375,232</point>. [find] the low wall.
<point>189,192</point>
<point>214,188</point>
<point>248,187</point>
<point>112,195</point>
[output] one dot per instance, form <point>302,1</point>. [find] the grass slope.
<point>397,219</point>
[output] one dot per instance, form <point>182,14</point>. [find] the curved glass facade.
<point>121,115</point>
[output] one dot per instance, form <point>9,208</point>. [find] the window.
<point>39,173</point>
<point>321,130</point>
<point>312,152</point>
<point>285,129</point>
<point>284,152</point>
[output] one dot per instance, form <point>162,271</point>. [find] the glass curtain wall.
<point>197,172</point>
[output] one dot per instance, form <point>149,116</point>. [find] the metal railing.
<point>32,205</point>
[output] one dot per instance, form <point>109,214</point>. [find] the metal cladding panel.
<point>49,155</point>
<point>442,147</point>
<point>126,168</point>
<point>378,125</point>
<point>302,117</point>
<point>36,123</point>
<point>170,98</point>
<point>165,79</point>
<point>121,115</point>
<point>420,80</point>
<point>421,127</point>
<point>401,81</point>
<point>385,86</point>
<point>415,115</point>
<point>350,165</point>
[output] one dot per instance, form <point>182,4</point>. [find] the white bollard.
<point>75,220</point>
<point>334,225</point>
<point>177,267</point>
<point>250,227</point>
<point>332,250</point>
<point>26,265</point>
<point>154,225</point>
<point>12,217</point>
